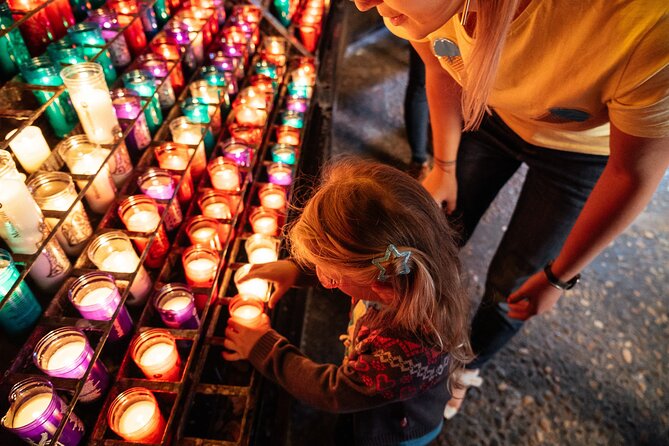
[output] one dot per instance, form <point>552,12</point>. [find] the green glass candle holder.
<point>283,153</point>
<point>162,12</point>
<point>13,50</point>
<point>197,111</point>
<point>64,52</point>
<point>292,119</point>
<point>88,35</point>
<point>266,69</point>
<point>282,11</point>
<point>143,83</point>
<point>21,310</point>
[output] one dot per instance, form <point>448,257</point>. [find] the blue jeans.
<point>416,113</point>
<point>555,189</point>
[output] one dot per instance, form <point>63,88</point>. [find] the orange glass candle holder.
<point>141,213</point>
<point>272,196</point>
<point>288,135</point>
<point>261,248</point>
<point>216,204</point>
<point>207,231</point>
<point>175,157</point>
<point>224,174</point>
<point>200,264</point>
<point>264,221</point>
<point>246,310</point>
<point>135,416</point>
<point>155,353</point>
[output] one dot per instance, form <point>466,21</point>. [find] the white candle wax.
<point>126,262</point>
<point>31,409</point>
<point>136,416</point>
<point>247,312</point>
<point>253,287</point>
<point>143,221</point>
<point>50,267</point>
<point>176,303</point>
<point>191,135</point>
<point>225,179</point>
<point>101,193</point>
<point>173,162</point>
<point>262,255</point>
<point>274,200</point>
<point>65,355</point>
<point>203,235</point>
<point>30,148</point>
<point>201,270</point>
<point>217,210</point>
<point>96,296</point>
<point>157,354</point>
<point>20,217</point>
<point>265,225</point>
<point>96,114</point>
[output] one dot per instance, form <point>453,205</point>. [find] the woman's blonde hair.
<point>493,19</point>
<point>358,210</point>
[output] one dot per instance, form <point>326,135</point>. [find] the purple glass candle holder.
<point>176,305</point>
<point>96,297</point>
<point>128,107</point>
<point>280,173</point>
<point>238,151</point>
<point>36,411</point>
<point>295,104</point>
<point>157,65</point>
<point>159,185</point>
<point>66,353</point>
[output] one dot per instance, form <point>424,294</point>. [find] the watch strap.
<point>557,283</point>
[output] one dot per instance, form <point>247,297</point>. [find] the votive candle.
<point>246,310</point>
<point>261,248</point>
<point>29,147</point>
<point>200,265</point>
<point>283,153</point>
<point>155,353</point>
<point>20,310</point>
<point>280,173</point>
<point>237,151</point>
<point>134,415</point>
<point>216,204</point>
<point>272,196</point>
<point>207,231</point>
<point>224,174</point>
<point>160,185</point>
<point>255,288</point>
<point>140,213</point>
<point>175,304</point>
<point>264,221</point>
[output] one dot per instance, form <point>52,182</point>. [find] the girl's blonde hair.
<point>359,209</point>
<point>493,19</point>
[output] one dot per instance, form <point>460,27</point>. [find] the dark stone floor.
<point>592,372</point>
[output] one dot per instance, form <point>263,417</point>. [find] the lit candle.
<point>155,353</point>
<point>280,173</point>
<point>292,119</point>
<point>29,147</point>
<point>36,411</point>
<point>283,153</point>
<point>272,196</point>
<point>20,310</point>
<point>264,221</point>
<point>256,288</point>
<point>207,231</point>
<point>134,416</point>
<point>249,134</point>
<point>175,156</point>
<point>54,191</point>
<point>299,105</point>
<point>237,151</point>
<point>216,204</point>
<point>200,265</point>
<point>185,132</point>
<point>262,248</point>
<point>159,185</point>
<point>209,93</point>
<point>128,107</point>
<point>113,252</point>
<point>176,305</point>
<point>96,297</point>
<point>66,353</point>
<point>246,310</point>
<point>288,135</point>
<point>84,157</point>
<point>140,213</point>
<point>275,49</point>
<point>224,174</point>
<point>247,115</point>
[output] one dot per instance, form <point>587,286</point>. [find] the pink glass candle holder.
<point>96,297</point>
<point>261,248</point>
<point>207,231</point>
<point>280,173</point>
<point>155,353</point>
<point>246,310</point>
<point>36,411</point>
<point>200,264</point>
<point>140,213</point>
<point>175,157</point>
<point>66,353</point>
<point>272,196</point>
<point>264,221</point>
<point>286,134</point>
<point>159,185</point>
<point>255,288</point>
<point>238,151</point>
<point>224,174</point>
<point>135,416</point>
<point>298,105</point>
<point>216,204</point>
<point>176,306</point>
<point>249,134</point>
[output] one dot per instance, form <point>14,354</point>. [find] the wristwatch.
<point>557,283</point>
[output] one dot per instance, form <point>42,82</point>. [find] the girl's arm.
<point>633,172</point>
<point>443,97</point>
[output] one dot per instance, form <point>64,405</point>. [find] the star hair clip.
<point>392,253</point>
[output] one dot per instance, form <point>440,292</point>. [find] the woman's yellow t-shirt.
<point>569,67</point>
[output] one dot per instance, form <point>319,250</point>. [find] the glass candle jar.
<point>140,213</point>
<point>160,185</point>
<point>272,196</point>
<point>299,105</point>
<point>20,310</point>
<point>29,147</point>
<point>249,116</point>
<point>238,151</point>
<point>275,50</point>
<point>13,51</point>
<point>249,134</point>
<point>54,191</point>
<point>186,132</point>
<point>246,310</point>
<point>111,31</point>
<point>134,415</point>
<point>261,248</point>
<point>66,353</point>
<point>133,32</point>
<point>280,173</point>
<point>200,112</point>
<point>179,33</point>
<point>283,153</point>
<point>207,231</point>
<point>41,72</point>
<point>175,157</point>
<point>264,221</point>
<point>88,37</point>
<point>176,306</point>
<point>143,83</point>
<point>155,353</point>
<point>157,65</point>
<point>36,411</point>
<point>292,119</point>
<point>253,288</point>
<point>224,174</point>
<point>216,204</point>
<point>84,157</point>
<point>37,30</point>
<point>201,89</point>
<point>97,298</point>
<point>265,68</point>
<point>113,252</point>
<point>64,52</point>
<point>128,107</point>
<point>200,264</point>
<point>90,96</point>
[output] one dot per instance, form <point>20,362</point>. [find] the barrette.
<point>392,251</point>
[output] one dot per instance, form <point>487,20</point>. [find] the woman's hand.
<point>240,339</point>
<point>443,186</point>
<point>283,274</point>
<point>535,296</point>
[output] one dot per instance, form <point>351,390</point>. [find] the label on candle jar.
<point>74,231</point>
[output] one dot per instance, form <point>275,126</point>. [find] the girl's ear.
<point>384,291</point>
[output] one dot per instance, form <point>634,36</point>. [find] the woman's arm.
<point>443,97</point>
<point>634,170</point>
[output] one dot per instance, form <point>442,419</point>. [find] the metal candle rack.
<point>195,385</point>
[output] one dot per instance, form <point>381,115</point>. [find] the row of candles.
<point>306,15</point>
<point>147,348</point>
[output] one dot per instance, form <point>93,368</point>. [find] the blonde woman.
<point>579,92</point>
<point>363,232</point>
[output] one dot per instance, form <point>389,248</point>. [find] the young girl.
<point>378,236</point>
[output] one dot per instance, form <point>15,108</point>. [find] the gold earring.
<point>465,13</point>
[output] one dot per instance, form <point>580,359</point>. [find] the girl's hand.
<point>283,274</point>
<point>240,339</point>
<point>535,296</point>
<point>443,186</point>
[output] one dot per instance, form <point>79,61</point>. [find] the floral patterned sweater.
<point>394,385</point>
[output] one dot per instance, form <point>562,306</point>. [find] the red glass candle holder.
<point>246,310</point>
<point>272,196</point>
<point>135,416</point>
<point>155,353</point>
<point>264,221</point>
<point>175,157</point>
<point>200,264</point>
<point>216,204</point>
<point>224,174</point>
<point>140,213</point>
<point>207,231</point>
<point>249,134</point>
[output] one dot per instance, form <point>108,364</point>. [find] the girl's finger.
<point>231,356</point>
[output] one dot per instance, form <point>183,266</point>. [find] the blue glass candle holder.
<point>143,83</point>
<point>13,50</point>
<point>197,111</point>
<point>64,52</point>
<point>292,119</point>
<point>282,11</point>
<point>283,153</point>
<point>21,310</point>
<point>89,36</point>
